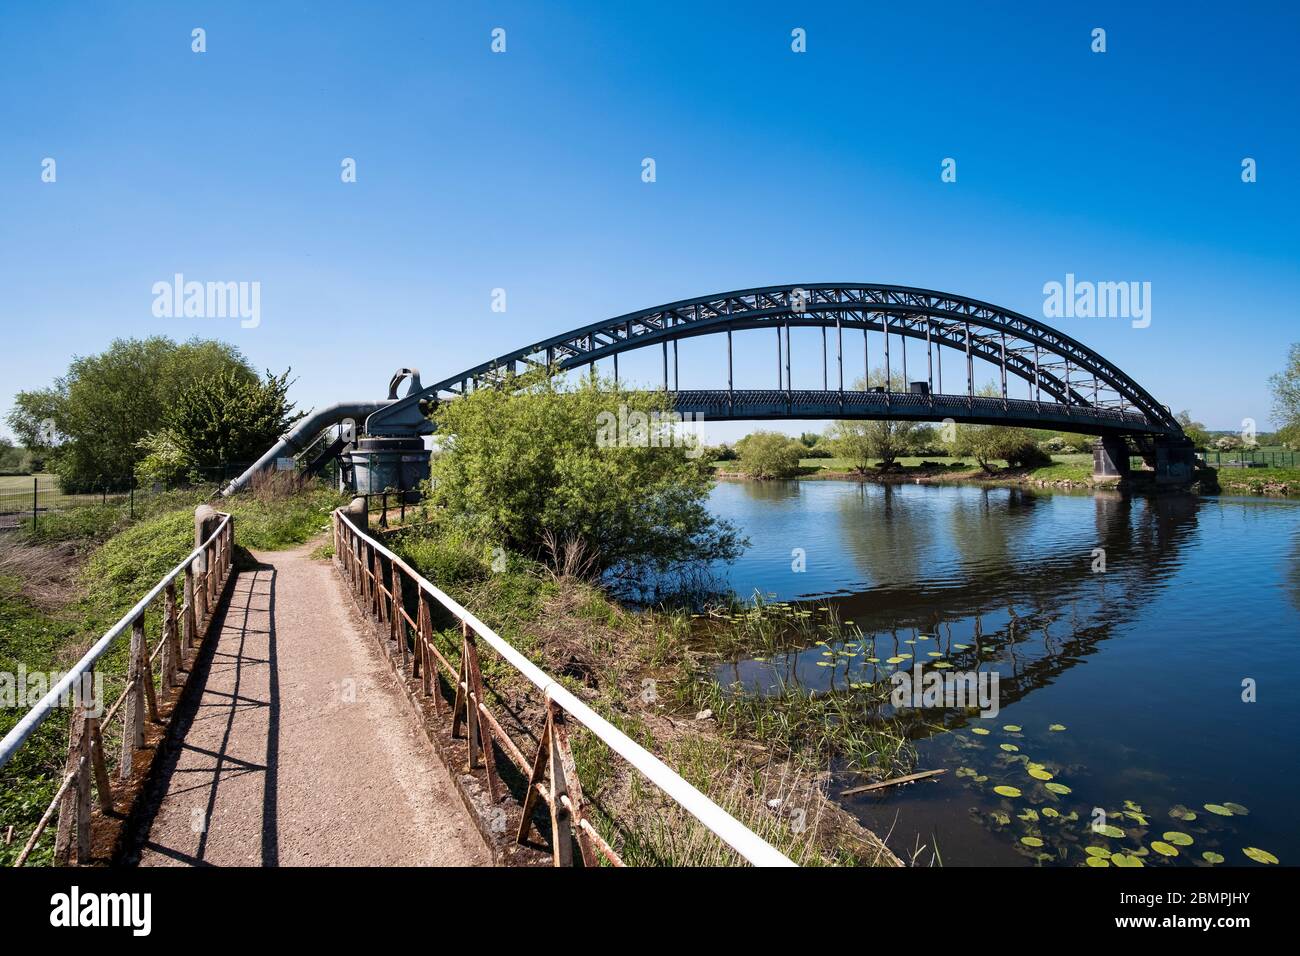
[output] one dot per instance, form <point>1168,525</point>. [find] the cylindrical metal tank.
<point>389,464</point>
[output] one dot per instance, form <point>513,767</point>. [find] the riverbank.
<point>1068,472</point>
<point>649,672</point>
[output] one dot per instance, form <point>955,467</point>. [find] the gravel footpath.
<point>301,751</point>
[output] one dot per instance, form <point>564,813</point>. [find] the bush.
<point>769,455</point>
<point>445,557</point>
<point>990,443</point>
<point>226,416</point>
<point>538,457</point>
<point>164,462</point>
<point>1025,455</point>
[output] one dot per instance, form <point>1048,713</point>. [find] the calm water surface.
<point>1142,665</point>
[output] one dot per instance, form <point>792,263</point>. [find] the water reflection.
<point>1009,581</point>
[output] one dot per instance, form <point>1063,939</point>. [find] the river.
<point>1124,686</point>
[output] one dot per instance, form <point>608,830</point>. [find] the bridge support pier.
<point>1175,461</point>
<point>1110,457</point>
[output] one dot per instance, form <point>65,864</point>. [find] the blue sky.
<point>522,171</point>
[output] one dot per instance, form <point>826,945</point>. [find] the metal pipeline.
<point>298,437</point>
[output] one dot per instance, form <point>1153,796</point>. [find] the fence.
<point>24,498</point>
<point>206,571</point>
<point>1246,457</point>
<point>551,774</point>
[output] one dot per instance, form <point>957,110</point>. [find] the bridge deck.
<point>300,751</point>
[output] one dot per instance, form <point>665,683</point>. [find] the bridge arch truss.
<point>1071,385</point>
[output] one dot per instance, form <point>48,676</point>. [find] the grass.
<point>1260,481</point>
<point>1073,468</point>
<point>64,584</point>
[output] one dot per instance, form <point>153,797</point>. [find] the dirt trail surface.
<point>300,751</point>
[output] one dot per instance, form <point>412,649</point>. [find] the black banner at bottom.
<point>302,905</point>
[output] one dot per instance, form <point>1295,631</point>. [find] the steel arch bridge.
<point>1070,386</point>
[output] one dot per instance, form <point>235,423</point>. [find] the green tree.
<point>990,443</point>
<point>89,423</point>
<point>541,461</point>
<point>1286,393</point>
<point>13,459</point>
<point>766,454</point>
<point>225,417</point>
<point>863,442</point>
<point>1193,430</point>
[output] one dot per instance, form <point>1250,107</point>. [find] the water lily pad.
<point>894,660</point>
<point>1258,855</point>
<point>1178,839</point>
<point>1038,773</point>
<point>1164,849</point>
<point>1209,856</point>
<point>1011,728</point>
<point>942,665</point>
<point>982,731</point>
<point>1057,727</point>
<point>1105,829</point>
<point>1096,851</point>
<point>1009,748</point>
<point>1031,841</point>
<point>1180,812</point>
<point>1236,808</point>
<point>934,653</point>
<point>1051,812</point>
<point>960,647</point>
<point>1123,859</point>
<point>1058,788</point>
<point>1220,810</point>
<point>1000,817</point>
<point>1097,861</point>
<point>1006,791</point>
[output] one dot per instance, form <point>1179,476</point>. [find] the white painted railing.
<point>360,555</point>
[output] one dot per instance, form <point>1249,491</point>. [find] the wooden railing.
<point>380,581</point>
<point>184,626</point>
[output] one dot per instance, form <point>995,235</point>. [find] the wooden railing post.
<point>363,569</point>
<point>146,670</point>
<point>469,697</point>
<point>171,648</point>
<point>555,755</point>
<point>427,662</point>
<point>74,811</point>
<point>94,706</point>
<point>396,610</point>
<point>379,609</point>
<point>133,715</point>
<point>188,623</point>
<point>210,580</point>
<point>201,599</point>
